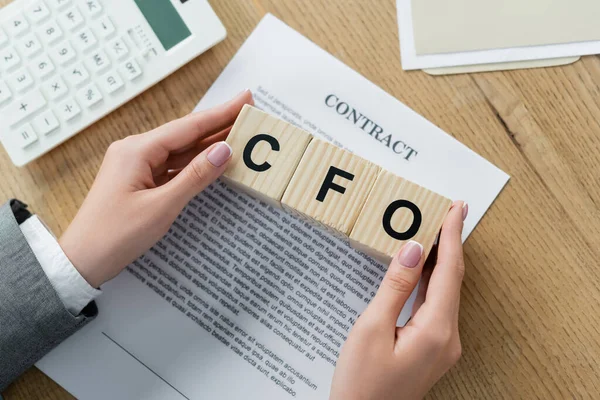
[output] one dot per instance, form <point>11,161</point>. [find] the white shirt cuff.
<point>72,289</point>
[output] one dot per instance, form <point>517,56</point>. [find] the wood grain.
<point>269,184</point>
<point>331,186</point>
<point>530,307</point>
<point>337,209</point>
<point>369,234</point>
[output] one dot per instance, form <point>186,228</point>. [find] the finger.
<point>180,160</point>
<point>398,283</point>
<point>443,294</point>
<point>424,283</point>
<point>197,175</point>
<point>187,130</point>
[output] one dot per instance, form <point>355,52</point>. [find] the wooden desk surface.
<point>530,312</point>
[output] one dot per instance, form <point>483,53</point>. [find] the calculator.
<point>64,64</point>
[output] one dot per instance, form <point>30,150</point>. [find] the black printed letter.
<point>328,182</point>
<point>250,146</point>
<point>414,228</point>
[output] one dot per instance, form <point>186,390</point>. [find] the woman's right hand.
<point>380,361</point>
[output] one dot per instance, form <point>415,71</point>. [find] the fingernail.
<point>411,254</point>
<point>465,210</point>
<point>219,154</point>
<point>242,92</point>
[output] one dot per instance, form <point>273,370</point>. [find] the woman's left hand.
<point>143,184</point>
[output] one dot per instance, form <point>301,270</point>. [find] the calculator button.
<point>18,110</point>
<point>37,12</point>
<point>26,136</point>
<point>99,61</point>
<point>105,27</point>
<point>89,95</point>
<point>5,93</point>
<point>69,109</point>
<point>85,40</point>
<point>29,45</point>
<point>77,74</point>
<point>55,88</point>
<point>22,80</point>
<point>59,4</point>
<point>3,37</point>
<point>51,32</point>
<point>9,59</point>
<point>17,25</point>
<point>42,66</point>
<point>131,70</point>
<point>111,82</point>
<point>46,123</point>
<point>71,19</point>
<point>117,49</point>
<point>64,53</point>
<point>91,8</point>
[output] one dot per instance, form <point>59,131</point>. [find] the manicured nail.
<point>411,254</point>
<point>465,210</point>
<point>219,154</point>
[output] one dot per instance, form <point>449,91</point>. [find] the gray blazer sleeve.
<point>33,319</point>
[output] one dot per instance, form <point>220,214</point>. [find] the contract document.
<point>241,300</point>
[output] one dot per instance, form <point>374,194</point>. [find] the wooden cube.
<point>396,211</point>
<point>330,186</point>
<point>266,152</point>
<point>284,165</point>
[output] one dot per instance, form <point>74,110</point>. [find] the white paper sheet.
<point>185,320</point>
<point>410,59</point>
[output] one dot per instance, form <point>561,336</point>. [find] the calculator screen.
<point>165,21</point>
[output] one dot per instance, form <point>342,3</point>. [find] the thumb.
<point>398,283</point>
<point>203,170</point>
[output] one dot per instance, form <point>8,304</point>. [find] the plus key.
<point>26,106</point>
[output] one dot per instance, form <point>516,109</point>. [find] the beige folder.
<point>450,26</point>
<point>467,69</point>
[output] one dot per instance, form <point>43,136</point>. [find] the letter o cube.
<point>369,233</point>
